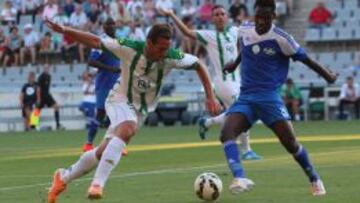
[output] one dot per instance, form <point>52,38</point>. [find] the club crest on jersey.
<point>269,51</point>
<point>256,49</point>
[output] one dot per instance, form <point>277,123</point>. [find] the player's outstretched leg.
<point>111,157</point>
<point>62,177</point>
<point>234,124</point>
<point>285,132</point>
<point>247,152</point>
<point>205,123</point>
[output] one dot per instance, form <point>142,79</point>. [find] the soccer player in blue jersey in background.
<point>108,73</point>
<point>265,54</point>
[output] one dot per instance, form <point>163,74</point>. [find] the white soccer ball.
<point>208,186</point>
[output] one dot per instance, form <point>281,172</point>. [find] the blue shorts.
<point>101,96</point>
<point>268,112</point>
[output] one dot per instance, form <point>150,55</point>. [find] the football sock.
<point>57,118</point>
<point>245,142</point>
<point>92,130</point>
<point>110,158</point>
<point>91,135</point>
<point>233,158</point>
<point>220,119</point>
<point>302,157</point>
<point>85,164</point>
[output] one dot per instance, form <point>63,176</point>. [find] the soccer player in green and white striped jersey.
<point>221,46</point>
<point>144,65</point>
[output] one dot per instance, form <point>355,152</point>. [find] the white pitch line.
<point>178,170</point>
<point>133,174</point>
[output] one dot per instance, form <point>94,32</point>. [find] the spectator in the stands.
<point>2,45</point>
<point>119,12</point>
<point>320,16</point>
<point>13,43</point>
<point>164,4</point>
<point>60,17</point>
<point>46,46</point>
<point>292,98</point>
<point>149,11</point>
<point>69,8</point>
<point>31,40</point>
<point>188,9</point>
<point>349,95</point>
<point>50,9</point>
<point>28,7</point>
<point>8,13</point>
<point>78,18</point>
<point>238,10</point>
<point>205,12</point>
<point>132,6</point>
<point>94,19</point>
<point>138,17</point>
<point>136,33</point>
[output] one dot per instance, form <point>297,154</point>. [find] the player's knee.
<point>225,135</point>
<point>290,144</point>
<point>126,131</point>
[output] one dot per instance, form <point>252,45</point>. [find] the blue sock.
<point>303,159</point>
<point>91,135</point>
<point>92,130</point>
<point>233,158</point>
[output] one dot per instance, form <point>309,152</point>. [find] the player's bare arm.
<point>327,74</point>
<point>84,38</point>
<point>212,104</point>
<point>99,65</point>
<point>183,28</point>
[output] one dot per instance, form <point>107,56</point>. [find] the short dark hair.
<point>159,31</point>
<point>216,6</point>
<point>270,4</point>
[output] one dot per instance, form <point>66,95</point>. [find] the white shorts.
<point>227,91</point>
<point>119,112</point>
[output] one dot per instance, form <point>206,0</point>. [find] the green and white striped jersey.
<point>221,48</point>
<point>141,79</point>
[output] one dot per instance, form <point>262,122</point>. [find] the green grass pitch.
<point>163,163</point>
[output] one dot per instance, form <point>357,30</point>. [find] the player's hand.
<point>332,77</point>
<point>166,12</point>
<point>229,67</point>
<point>213,106</point>
<point>54,26</point>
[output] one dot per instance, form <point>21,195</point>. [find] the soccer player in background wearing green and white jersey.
<point>221,46</point>
<point>144,66</point>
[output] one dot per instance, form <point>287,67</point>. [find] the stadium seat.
<point>344,14</point>
<point>345,33</point>
<point>351,4</point>
<point>327,58</point>
<point>312,35</point>
<point>328,34</point>
<point>344,58</point>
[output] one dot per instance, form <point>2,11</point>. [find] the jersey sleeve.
<point>114,46</point>
<point>185,61</point>
<point>203,36</point>
<point>291,48</point>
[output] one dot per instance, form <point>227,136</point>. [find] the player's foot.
<point>250,155</point>
<point>87,147</point>
<point>241,185</point>
<point>203,130</point>
<point>95,192</point>
<point>124,152</point>
<point>57,186</point>
<point>317,188</point>
<point>60,127</point>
